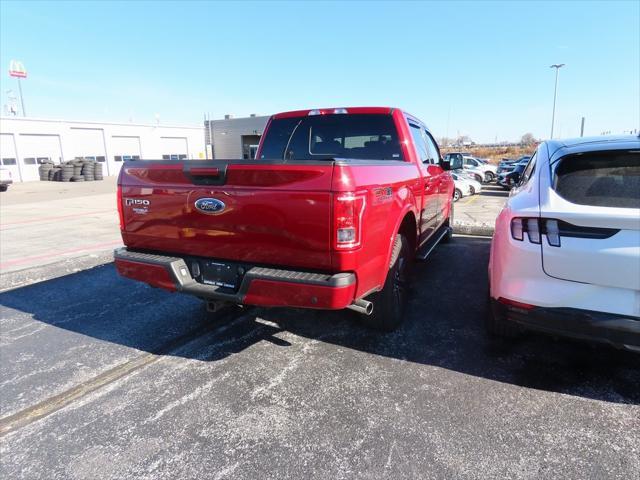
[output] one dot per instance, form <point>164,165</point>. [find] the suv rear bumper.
<point>620,331</point>
<point>259,286</point>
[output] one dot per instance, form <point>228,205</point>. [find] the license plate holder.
<point>219,274</point>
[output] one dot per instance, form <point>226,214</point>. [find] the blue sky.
<point>478,68</point>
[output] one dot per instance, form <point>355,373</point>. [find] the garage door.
<point>88,143</point>
<point>123,149</point>
<point>8,156</point>
<point>37,149</point>
<point>174,148</point>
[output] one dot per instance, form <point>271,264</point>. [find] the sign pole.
<point>24,113</point>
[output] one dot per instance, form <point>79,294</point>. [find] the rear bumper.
<point>259,286</point>
<point>620,331</point>
<point>6,182</point>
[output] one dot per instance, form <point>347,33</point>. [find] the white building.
<point>27,142</point>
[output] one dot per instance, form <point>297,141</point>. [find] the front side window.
<point>603,179</point>
<point>420,144</point>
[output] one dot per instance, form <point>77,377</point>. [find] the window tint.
<point>277,137</point>
<point>418,141</point>
<point>432,148</point>
<point>8,161</point>
<point>604,179</point>
<point>528,171</point>
<point>322,137</point>
<point>29,161</point>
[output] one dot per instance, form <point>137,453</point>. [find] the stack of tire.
<point>66,172</point>
<point>77,171</point>
<point>55,174</point>
<point>44,169</point>
<point>89,171</point>
<point>98,171</point>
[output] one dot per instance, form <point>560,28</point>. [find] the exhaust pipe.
<point>362,306</point>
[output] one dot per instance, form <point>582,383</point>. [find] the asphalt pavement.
<point>107,378</point>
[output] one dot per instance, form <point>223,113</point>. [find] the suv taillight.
<point>348,209</point>
<point>120,212</point>
<point>535,228</point>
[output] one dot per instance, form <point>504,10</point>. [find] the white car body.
<point>582,279</point>
<point>462,184</point>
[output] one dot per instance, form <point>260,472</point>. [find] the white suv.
<point>488,170</point>
<point>565,256</point>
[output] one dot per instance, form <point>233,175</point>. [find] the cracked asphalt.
<point>284,393</point>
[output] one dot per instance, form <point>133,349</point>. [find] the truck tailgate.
<point>271,213</point>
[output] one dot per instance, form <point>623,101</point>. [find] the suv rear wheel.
<point>489,177</point>
<point>389,304</point>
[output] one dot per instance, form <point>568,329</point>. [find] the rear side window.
<point>602,179</point>
<point>324,137</point>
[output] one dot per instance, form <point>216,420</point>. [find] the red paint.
<point>514,303</point>
<point>284,214</point>
<point>284,294</point>
<point>154,275</point>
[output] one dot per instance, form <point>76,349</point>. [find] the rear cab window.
<point>325,137</point>
<point>602,179</point>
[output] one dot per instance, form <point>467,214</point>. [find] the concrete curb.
<point>483,230</point>
<point>31,275</point>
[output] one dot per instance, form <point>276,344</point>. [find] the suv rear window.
<point>324,137</point>
<point>602,179</point>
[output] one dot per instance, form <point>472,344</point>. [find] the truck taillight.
<point>120,212</point>
<point>348,209</point>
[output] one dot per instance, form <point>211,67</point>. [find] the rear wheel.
<point>457,195</point>
<point>389,304</point>
<point>4,188</point>
<point>478,177</point>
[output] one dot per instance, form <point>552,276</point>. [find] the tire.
<point>472,190</point>
<point>449,223</point>
<point>478,177</point>
<point>4,188</point>
<point>489,177</point>
<point>457,195</point>
<point>77,178</point>
<point>496,326</point>
<point>389,304</point>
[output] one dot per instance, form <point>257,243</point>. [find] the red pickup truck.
<point>330,215</point>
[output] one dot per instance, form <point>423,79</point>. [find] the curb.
<point>29,276</point>
<point>482,230</point>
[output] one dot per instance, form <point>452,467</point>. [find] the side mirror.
<point>452,162</point>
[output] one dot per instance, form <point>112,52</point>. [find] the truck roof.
<point>326,111</point>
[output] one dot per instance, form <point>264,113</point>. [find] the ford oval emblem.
<point>210,206</point>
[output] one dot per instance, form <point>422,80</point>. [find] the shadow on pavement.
<point>443,327</point>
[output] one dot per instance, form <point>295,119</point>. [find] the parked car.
<point>464,186</point>
<point>510,178</point>
<point>488,170</point>
<point>330,215</point>
<point>565,256</point>
<point>5,179</point>
<point>506,164</point>
<point>472,171</point>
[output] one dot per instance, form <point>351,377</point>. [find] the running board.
<point>426,249</point>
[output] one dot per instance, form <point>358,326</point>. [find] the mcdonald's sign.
<point>16,69</point>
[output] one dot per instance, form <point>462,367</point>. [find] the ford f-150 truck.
<point>330,215</point>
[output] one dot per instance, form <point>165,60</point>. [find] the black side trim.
<point>185,282</point>
<point>576,231</point>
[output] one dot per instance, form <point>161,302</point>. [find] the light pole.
<point>557,66</point>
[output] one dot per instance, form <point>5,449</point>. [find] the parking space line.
<point>50,405</point>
